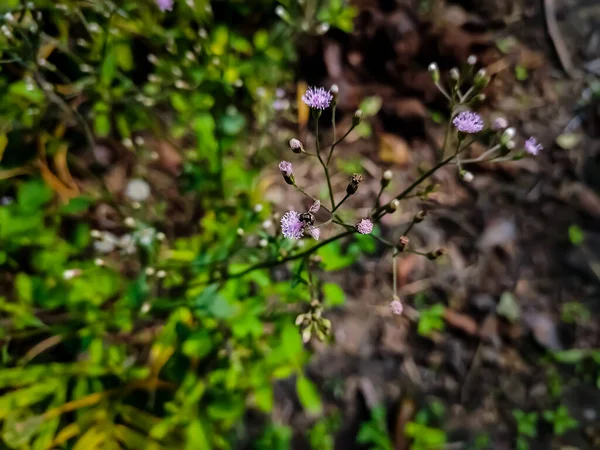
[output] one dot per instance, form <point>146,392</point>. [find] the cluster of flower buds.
<point>314,322</point>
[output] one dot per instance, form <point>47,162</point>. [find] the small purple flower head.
<point>365,226</point>
<point>165,5</point>
<point>291,225</point>
<point>286,168</point>
<point>499,124</point>
<point>317,98</point>
<point>468,122</point>
<point>532,146</point>
<point>396,306</point>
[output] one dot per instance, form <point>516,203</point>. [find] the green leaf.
<point>196,437</point>
<point>109,68</point>
<point>33,195</point>
<point>334,295</point>
<point>198,344</point>
<point>576,235</point>
<point>308,395</point>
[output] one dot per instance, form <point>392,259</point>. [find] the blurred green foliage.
<point>104,353</point>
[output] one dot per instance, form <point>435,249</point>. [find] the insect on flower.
<point>294,224</point>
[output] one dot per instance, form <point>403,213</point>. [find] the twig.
<point>557,40</point>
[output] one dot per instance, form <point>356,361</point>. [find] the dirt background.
<point>506,232</point>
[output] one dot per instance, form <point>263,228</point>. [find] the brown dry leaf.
<point>332,54</point>
<point>544,330</point>
<point>488,331</point>
<point>393,339</point>
<point>46,50</point>
<point>585,197</point>
<point>405,266</point>
<point>460,321</point>
<point>405,413</point>
<point>115,179</point>
<point>393,149</point>
<point>169,157</point>
<point>62,170</point>
<point>303,110</point>
<point>64,192</point>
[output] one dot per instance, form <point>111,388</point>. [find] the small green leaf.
<point>334,295</point>
<point>576,235</point>
<point>308,395</point>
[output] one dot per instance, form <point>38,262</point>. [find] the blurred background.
<point>139,143</point>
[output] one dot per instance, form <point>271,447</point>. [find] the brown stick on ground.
<point>557,40</point>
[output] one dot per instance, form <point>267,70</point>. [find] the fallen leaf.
<point>508,307</point>
<point>169,157</point>
<point>568,141</point>
<point>544,330</point>
<point>460,321</point>
<point>393,149</point>
<point>303,110</point>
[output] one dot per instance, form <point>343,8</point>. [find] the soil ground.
<point>506,233</point>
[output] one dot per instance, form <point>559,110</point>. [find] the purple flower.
<point>468,122</point>
<point>286,168</point>
<point>499,124</point>
<point>365,226</point>
<point>165,5</point>
<point>396,306</point>
<point>291,225</point>
<point>317,98</point>
<point>532,146</point>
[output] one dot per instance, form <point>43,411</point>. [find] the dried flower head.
<point>355,180</point>
<point>291,225</point>
<point>165,5</point>
<point>365,226</point>
<point>532,146</point>
<point>317,98</point>
<point>403,242</point>
<point>396,306</point>
<point>499,124</point>
<point>468,122</point>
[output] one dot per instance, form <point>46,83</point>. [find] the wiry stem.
<point>325,170</point>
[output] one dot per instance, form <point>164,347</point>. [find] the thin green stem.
<point>417,182</point>
<point>325,170</point>
<point>310,196</point>
<point>277,262</point>
<point>337,142</point>
<point>394,275</point>
<point>340,203</point>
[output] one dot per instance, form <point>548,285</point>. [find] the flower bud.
<point>150,271</point>
<point>386,177</point>
<point>355,180</point>
<point>161,274</point>
<point>507,135</point>
<point>287,172</point>
<point>402,243</point>
<point>472,60</point>
<point>129,222</point>
<point>454,74</point>
<point>434,72</point>
<point>467,176</point>
<point>432,256</point>
<point>335,91</point>
<point>420,216</point>
<point>357,117</point>
<point>392,206</point>
<point>296,146</point>
<point>240,231</point>
<point>481,79</point>
<point>499,124</point>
